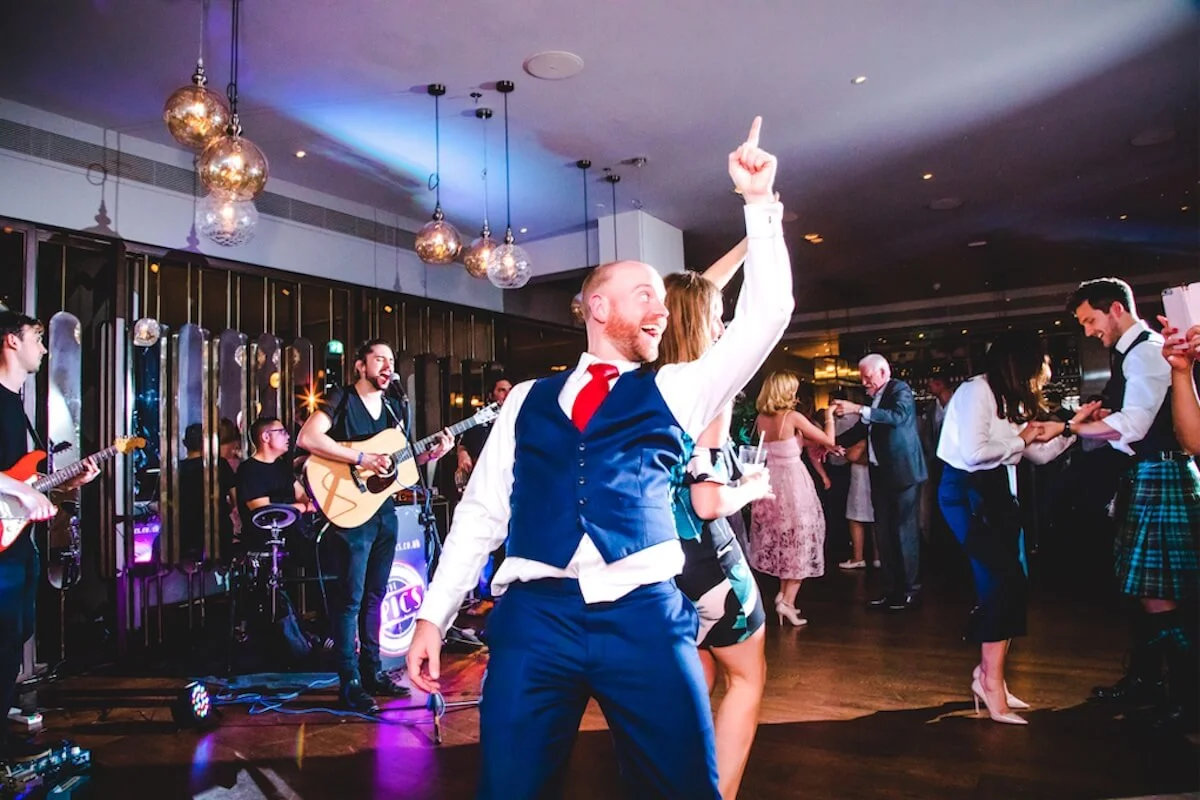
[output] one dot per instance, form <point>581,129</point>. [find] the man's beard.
<point>626,338</point>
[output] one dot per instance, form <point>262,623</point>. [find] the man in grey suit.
<point>889,424</point>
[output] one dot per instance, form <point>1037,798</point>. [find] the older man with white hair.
<point>889,424</point>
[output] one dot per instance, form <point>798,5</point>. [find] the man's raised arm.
<point>700,389</point>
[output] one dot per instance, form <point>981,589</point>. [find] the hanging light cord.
<point>587,242</point>
<point>203,27</point>
<point>232,89</point>
<point>435,180</point>
<point>614,216</point>
<point>507,172</point>
<point>485,169</point>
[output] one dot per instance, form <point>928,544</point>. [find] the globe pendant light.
<point>475,256</point>
<point>194,114</point>
<point>226,220</point>
<point>577,300</point>
<point>233,166</point>
<point>438,241</point>
<point>508,266</point>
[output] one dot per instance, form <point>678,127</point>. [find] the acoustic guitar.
<point>12,514</point>
<point>348,495</point>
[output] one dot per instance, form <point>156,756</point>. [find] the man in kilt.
<point>1157,505</point>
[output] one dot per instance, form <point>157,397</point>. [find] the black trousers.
<point>364,558</point>
<point>897,532</point>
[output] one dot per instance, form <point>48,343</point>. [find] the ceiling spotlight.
<point>817,240</point>
<point>858,81</point>
<point>920,336</point>
<point>1058,322</point>
<point>810,236</point>
<point>301,154</point>
<point>963,331</point>
<point>928,176</point>
<point>1123,216</point>
<point>1152,137</point>
<point>946,203</point>
<point>1184,208</point>
<point>524,230</point>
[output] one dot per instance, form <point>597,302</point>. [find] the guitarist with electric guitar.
<point>21,352</point>
<point>358,450</point>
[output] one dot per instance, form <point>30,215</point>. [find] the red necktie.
<point>592,394</point>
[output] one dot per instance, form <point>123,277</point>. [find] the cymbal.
<point>274,515</point>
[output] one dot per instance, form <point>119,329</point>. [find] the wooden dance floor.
<point>858,705</point>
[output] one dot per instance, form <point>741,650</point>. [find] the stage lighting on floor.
<point>192,707</point>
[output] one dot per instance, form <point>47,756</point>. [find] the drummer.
<point>266,478</point>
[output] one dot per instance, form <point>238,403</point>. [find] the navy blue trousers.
<point>550,652</point>
<point>980,509</point>
<point>20,568</point>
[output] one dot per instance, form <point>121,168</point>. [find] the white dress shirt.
<point>1147,380</point>
<point>694,392</point>
<point>866,418</point>
<point>975,439</point>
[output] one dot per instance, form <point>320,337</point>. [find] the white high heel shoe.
<point>789,612</point>
<point>1008,718</point>
<point>1013,701</point>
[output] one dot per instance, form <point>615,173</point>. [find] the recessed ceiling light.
<point>301,154</point>
<point>1041,330</point>
<point>946,203</point>
<point>811,236</point>
<point>920,336</point>
<point>928,176</point>
<point>524,230</point>
<point>553,65</point>
<point>817,240</point>
<point>1152,136</point>
<point>859,80</point>
<point>1184,208</point>
<point>977,243</point>
<point>1058,322</point>
<point>963,331</point>
<point>1123,216</point>
<point>909,342</point>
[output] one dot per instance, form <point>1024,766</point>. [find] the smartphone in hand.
<point>1181,305</point>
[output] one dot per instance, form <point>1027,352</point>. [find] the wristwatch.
<point>1066,431</point>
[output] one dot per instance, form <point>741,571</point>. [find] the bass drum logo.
<point>405,592</point>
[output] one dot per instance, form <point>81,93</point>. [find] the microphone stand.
<point>433,545</point>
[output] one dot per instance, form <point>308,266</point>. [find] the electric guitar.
<point>348,495</point>
<point>12,514</point>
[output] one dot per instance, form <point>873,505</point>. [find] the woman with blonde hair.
<point>715,576</point>
<point>787,529</point>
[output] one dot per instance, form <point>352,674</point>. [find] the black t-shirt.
<point>351,420</point>
<point>474,439</point>
<point>13,441</point>
<point>273,481</point>
<point>13,445</point>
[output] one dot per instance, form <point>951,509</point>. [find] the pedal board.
<point>55,771</point>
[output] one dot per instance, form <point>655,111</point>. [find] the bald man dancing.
<point>577,476</point>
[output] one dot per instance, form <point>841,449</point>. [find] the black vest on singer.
<point>1161,436</point>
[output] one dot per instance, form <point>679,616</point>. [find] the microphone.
<point>397,385</point>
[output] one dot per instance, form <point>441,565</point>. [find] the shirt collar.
<point>1126,340</point>
<point>587,359</point>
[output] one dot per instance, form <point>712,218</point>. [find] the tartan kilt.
<point>1157,551</point>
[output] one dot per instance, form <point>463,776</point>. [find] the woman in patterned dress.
<point>787,530</point>
<point>715,576</point>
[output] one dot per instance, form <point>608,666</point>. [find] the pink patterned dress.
<point>787,534</point>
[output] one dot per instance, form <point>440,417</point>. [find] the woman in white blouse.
<point>989,427</point>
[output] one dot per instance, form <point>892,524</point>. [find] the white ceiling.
<point>1024,109</point>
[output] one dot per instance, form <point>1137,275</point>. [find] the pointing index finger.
<point>755,128</point>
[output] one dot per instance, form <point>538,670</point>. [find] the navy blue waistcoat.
<point>611,481</point>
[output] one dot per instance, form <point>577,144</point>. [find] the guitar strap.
<point>38,444</point>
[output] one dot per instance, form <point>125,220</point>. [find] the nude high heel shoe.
<point>788,611</point>
<point>1014,702</point>
<point>997,716</point>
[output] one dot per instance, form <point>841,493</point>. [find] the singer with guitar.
<point>21,352</point>
<point>345,417</point>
